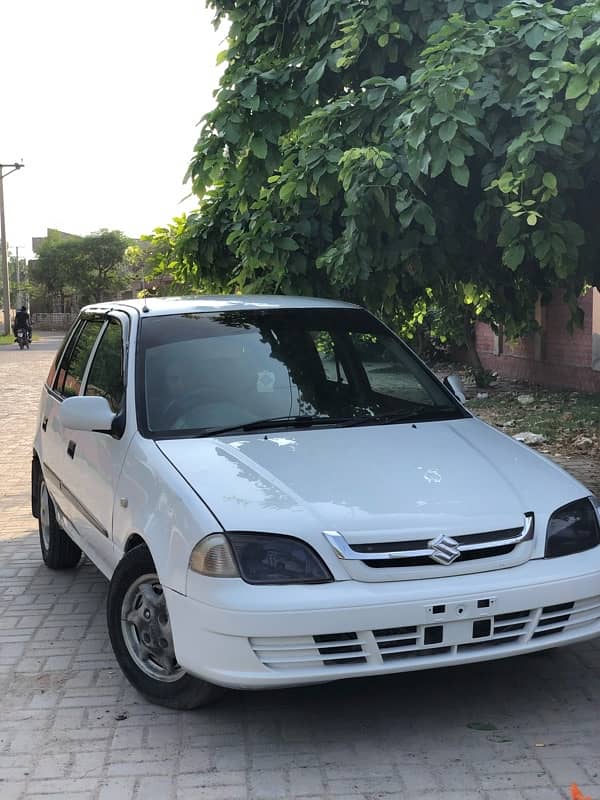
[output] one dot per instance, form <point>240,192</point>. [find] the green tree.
<point>90,267</point>
<point>100,268</point>
<point>51,272</point>
<point>163,261</point>
<point>22,282</point>
<point>397,152</point>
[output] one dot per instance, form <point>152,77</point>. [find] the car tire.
<point>140,634</point>
<point>58,550</point>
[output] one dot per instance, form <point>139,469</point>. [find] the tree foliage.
<point>157,260</point>
<point>91,267</point>
<point>399,152</point>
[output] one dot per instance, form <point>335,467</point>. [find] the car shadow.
<point>498,701</point>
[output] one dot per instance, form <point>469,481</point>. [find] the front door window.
<point>106,374</point>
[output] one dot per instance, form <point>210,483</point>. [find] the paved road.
<point>71,727</point>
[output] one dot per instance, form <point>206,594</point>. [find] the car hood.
<point>388,479</point>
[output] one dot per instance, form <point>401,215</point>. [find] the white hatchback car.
<point>281,493</point>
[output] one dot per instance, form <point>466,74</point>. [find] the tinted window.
<point>106,375</point>
<point>198,371</point>
<point>70,375</point>
<point>59,377</point>
<point>330,356</point>
<point>391,370</point>
<point>69,337</point>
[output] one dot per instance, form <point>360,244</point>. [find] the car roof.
<point>161,306</point>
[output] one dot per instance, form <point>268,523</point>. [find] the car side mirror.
<point>86,414</point>
<point>454,383</point>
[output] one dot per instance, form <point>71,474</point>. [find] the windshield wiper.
<point>422,413</point>
<point>300,421</point>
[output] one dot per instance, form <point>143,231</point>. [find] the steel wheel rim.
<point>45,516</point>
<point>147,631</point>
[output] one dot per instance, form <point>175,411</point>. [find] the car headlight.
<point>259,558</point>
<point>212,556</point>
<point>573,528</point>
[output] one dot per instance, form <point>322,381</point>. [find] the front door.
<point>93,461</point>
<point>65,381</point>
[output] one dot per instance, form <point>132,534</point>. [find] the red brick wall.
<point>565,359</point>
<point>561,346</point>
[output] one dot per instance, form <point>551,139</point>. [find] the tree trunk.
<point>472,355</point>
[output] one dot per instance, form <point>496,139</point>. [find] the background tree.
<point>51,272</point>
<point>101,268</point>
<point>20,287</point>
<point>90,267</point>
<point>399,152</point>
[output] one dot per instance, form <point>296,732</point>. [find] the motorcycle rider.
<point>22,320</point>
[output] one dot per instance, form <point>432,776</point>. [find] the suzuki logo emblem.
<point>444,550</point>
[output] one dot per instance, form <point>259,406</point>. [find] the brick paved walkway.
<point>71,727</point>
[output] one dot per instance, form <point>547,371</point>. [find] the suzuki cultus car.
<point>281,493</point>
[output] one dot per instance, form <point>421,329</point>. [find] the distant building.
<point>51,233</point>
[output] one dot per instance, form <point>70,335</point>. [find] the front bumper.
<point>245,636</point>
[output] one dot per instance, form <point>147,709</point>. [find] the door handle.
<point>45,423</point>
<point>71,449</point>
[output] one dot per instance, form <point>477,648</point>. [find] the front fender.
<point>155,502</point>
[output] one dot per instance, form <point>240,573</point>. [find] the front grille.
<point>335,644</point>
<point>421,544</point>
<point>429,653</point>
<point>433,551</point>
<point>496,631</point>
<point>392,639</point>
<point>425,561</point>
<point>505,623</point>
<point>567,616</point>
<point>426,644</point>
<point>298,652</point>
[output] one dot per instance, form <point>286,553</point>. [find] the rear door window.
<point>66,344</point>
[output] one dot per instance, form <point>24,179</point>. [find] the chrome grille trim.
<point>347,552</point>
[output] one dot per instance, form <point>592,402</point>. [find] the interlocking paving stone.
<point>402,737</point>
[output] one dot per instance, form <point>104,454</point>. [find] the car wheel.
<point>140,633</point>
<point>58,550</point>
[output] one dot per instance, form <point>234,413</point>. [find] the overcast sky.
<point>101,101</point>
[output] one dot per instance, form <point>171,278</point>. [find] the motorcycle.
<point>23,338</point>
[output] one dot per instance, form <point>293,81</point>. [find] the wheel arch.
<point>36,478</point>
<point>135,540</point>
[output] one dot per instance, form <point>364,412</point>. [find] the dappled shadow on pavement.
<point>71,726</point>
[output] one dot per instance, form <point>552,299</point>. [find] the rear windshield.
<point>212,370</point>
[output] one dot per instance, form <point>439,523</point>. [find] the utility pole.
<point>4,246</point>
<point>18,302</point>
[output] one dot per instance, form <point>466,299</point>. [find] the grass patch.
<point>10,339</point>
<point>561,417</point>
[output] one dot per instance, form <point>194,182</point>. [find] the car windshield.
<point>202,372</point>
